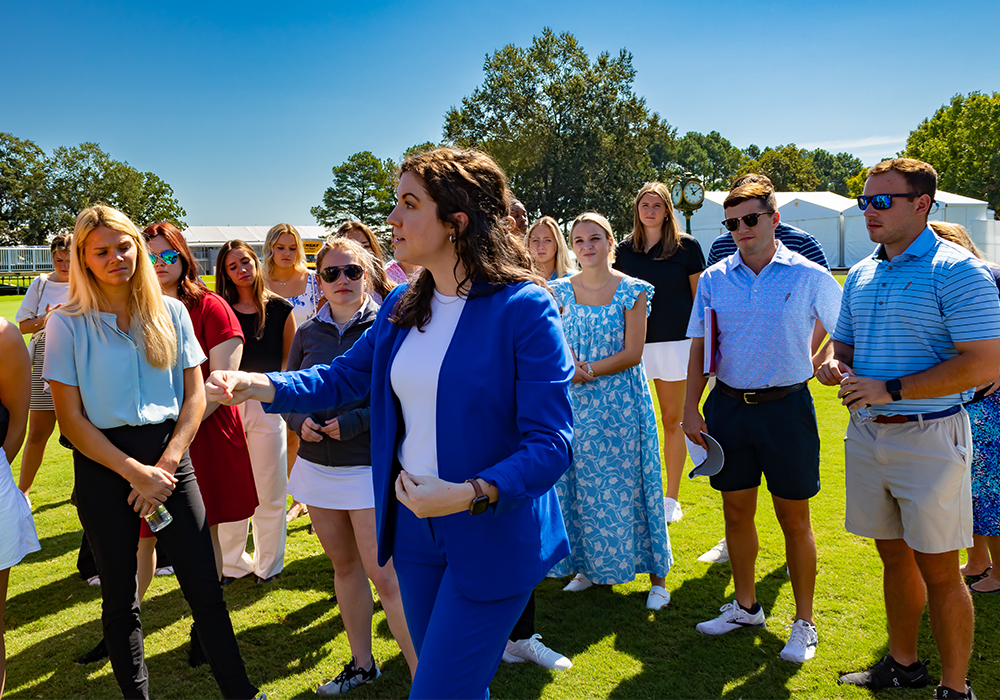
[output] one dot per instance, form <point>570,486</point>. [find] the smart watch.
<point>481,502</point>
<point>894,386</point>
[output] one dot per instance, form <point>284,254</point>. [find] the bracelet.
<point>590,370</point>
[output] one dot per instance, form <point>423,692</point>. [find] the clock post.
<point>688,194</point>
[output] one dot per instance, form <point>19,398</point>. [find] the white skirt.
<point>17,527</point>
<point>667,361</point>
<point>336,488</point>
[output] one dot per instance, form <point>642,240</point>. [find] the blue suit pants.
<point>459,641</point>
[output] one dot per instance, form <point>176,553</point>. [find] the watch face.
<point>694,192</point>
<point>675,193</point>
<point>479,505</point>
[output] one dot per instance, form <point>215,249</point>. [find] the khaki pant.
<point>266,441</point>
<point>911,481</point>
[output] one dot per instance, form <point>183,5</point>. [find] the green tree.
<point>571,133</point>
<point>84,175</point>
<point>834,171</point>
<point>418,149</point>
<point>27,209</point>
<point>711,157</point>
<point>962,142</point>
<point>363,189</point>
<point>856,183</point>
<point>789,167</point>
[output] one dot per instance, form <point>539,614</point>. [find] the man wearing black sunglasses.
<point>766,300</point>
<point>919,329</point>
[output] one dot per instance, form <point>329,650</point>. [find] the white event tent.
<point>839,226</point>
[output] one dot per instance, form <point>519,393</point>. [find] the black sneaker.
<point>945,693</point>
<point>349,679</point>
<point>888,673</point>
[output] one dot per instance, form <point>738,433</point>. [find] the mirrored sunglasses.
<point>749,219</point>
<point>169,257</point>
<point>882,201</point>
<point>332,274</point>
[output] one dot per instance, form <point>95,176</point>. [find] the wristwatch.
<point>481,502</point>
<point>894,386</point>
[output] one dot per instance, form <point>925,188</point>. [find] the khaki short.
<point>911,481</point>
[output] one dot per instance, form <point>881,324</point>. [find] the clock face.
<point>694,193</point>
<point>675,193</point>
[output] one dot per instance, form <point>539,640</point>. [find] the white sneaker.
<point>579,583</point>
<point>658,598</point>
<point>533,650</point>
<point>165,571</point>
<point>802,643</point>
<point>733,617</point>
<point>672,509</point>
<point>717,554</point>
<point>94,581</point>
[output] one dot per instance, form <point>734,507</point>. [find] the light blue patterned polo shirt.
<point>765,321</point>
<point>905,315</point>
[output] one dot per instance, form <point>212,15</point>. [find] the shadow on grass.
<point>56,546</point>
<point>270,651</point>
<point>49,506</point>
<point>674,660</point>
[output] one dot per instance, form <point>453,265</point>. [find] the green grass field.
<point>292,637</point>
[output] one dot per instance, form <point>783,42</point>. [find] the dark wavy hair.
<point>190,289</point>
<point>470,182</point>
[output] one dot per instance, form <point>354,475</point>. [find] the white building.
<point>206,241</point>
<point>839,226</point>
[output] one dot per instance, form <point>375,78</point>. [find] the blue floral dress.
<point>985,418</point>
<point>612,494</point>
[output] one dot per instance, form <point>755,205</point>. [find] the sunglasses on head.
<point>749,219</point>
<point>882,201</point>
<point>332,274</point>
<point>169,257</point>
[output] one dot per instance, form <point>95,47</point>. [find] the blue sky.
<point>244,107</point>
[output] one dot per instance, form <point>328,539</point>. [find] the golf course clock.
<point>688,194</point>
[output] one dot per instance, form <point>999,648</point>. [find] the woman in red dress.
<point>219,451</point>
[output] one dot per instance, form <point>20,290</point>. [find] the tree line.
<point>40,194</point>
<point>570,131</point>
<point>573,136</point>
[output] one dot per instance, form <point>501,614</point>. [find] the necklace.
<point>610,277</point>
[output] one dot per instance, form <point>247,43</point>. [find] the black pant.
<point>113,527</point>
<point>525,625</point>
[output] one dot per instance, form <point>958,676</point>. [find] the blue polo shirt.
<point>118,386</point>
<point>905,315</point>
<point>765,321</point>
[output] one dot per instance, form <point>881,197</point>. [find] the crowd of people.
<point>475,414</point>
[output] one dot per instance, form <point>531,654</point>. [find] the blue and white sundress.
<point>612,494</point>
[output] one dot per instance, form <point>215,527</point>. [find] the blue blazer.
<point>503,414</point>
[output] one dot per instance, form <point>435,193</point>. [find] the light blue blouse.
<point>117,385</point>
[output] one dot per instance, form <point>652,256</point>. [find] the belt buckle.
<point>746,397</point>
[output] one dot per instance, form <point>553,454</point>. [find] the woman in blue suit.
<point>471,421</point>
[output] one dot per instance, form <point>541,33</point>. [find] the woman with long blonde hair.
<point>548,248</point>
<point>123,364</point>
<point>286,274</point>
<point>656,251</point>
<point>268,325</point>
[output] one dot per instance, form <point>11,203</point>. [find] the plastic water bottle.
<point>159,518</point>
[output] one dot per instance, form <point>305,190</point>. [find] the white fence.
<point>25,259</point>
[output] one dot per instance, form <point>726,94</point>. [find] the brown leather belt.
<point>755,396</point>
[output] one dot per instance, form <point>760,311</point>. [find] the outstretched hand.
<point>229,387</point>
